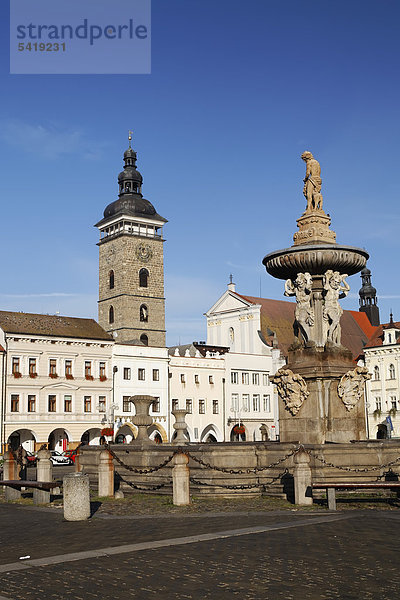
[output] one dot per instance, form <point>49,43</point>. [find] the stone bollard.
<point>44,473</point>
<point>180,426</point>
<point>180,480</point>
<point>10,473</point>
<point>76,497</point>
<point>302,479</point>
<point>106,474</point>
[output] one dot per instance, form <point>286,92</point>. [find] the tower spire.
<point>368,299</point>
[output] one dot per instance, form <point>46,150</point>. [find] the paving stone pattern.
<point>349,559</point>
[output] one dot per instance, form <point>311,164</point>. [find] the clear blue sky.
<point>238,91</point>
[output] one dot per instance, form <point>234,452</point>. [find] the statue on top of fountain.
<point>312,183</point>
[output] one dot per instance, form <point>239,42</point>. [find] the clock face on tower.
<point>144,252</point>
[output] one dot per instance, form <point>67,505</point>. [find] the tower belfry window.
<point>144,339</point>
<point>143,277</point>
<point>111,315</point>
<point>111,278</point>
<point>144,313</point>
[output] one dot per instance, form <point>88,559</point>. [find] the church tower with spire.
<point>131,265</point>
<point>368,299</point>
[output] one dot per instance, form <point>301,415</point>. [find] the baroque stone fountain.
<point>321,389</point>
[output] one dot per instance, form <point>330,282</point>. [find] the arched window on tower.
<point>376,373</point>
<point>111,280</point>
<point>143,277</point>
<point>392,372</point>
<point>144,339</point>
<point>144,313</point>
<point>111,315</point>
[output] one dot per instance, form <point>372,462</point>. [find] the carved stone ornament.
<point>351,386</point>
<point>144,252</point>
<point>291,388</point>
<point>301,287</point>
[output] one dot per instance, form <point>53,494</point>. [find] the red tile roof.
<point>376,338</point>
<point>278,316</point>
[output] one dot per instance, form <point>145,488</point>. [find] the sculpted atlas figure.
<point>312,182</point>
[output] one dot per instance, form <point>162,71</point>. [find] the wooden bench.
<point>41,489</point>
<point>373,485</point>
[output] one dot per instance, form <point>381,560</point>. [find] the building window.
<point>234,377</point>
<point>183,378</point>
<point>266,403</point>
<point>15,366</point>
<point>88,369</point>
<point>14,402</point>
<point>246,402</point>
<point>235,402</point>
<point>143,278</point>
<point>127,373</point>
<point>53,367</point>
<point>156,405</point>
<point>210,379</point>
<point>215,407</point>
<point>265,379</point>
<point>256,402</point>
<point>393,403</point>
<point>102,404</point>
<point>156,375</point>
<point>202,407</point>
<point>256,378</point>
<point>126,405</point>
<point>196,379</point>
<point>68,369</point>
<point>189,406</point>
<point>144,314</point>
<point>32,367</point>
<point>111,315</point>
<point>376,373</point>
<point>141,374</point>
<point>68,404</point>
<point>378,403</point>
<point>102,371</point>
<point>144,339</point>
<point>245,378</point>
<point>87,404</point>
<point>392,372</point>
<point>52,403</point>
<point>175,404</point>
<point>31,403</point>
<point>111,280</point>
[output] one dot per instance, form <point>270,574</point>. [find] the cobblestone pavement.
<point>308,556</point>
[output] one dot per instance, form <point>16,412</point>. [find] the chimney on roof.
<point>231,285</point>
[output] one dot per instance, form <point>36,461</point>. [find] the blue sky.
<point>238,91</point>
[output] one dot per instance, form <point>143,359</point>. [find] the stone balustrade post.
<point>10,473</point>
<point>302,479</point>
<point>44,473</point>
<point>106,475</point>
<point>180,426</point>
<point>76,497</point>
<point>180,480</point>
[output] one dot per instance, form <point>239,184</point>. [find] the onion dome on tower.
<point>368,299</point>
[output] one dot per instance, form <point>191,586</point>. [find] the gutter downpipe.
<point>3,398</point>
<point>223,407</point>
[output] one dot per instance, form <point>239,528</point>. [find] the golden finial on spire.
<point>130,137</point>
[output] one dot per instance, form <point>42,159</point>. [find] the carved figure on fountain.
<point>304,313</point>
<point>291,388</point>
<point>351,386</point>
<point>335,287</point>
<point>312,183</point>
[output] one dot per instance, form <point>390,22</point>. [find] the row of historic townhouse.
<point>382,358</point>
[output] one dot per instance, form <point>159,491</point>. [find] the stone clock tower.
<point>131,269</point>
